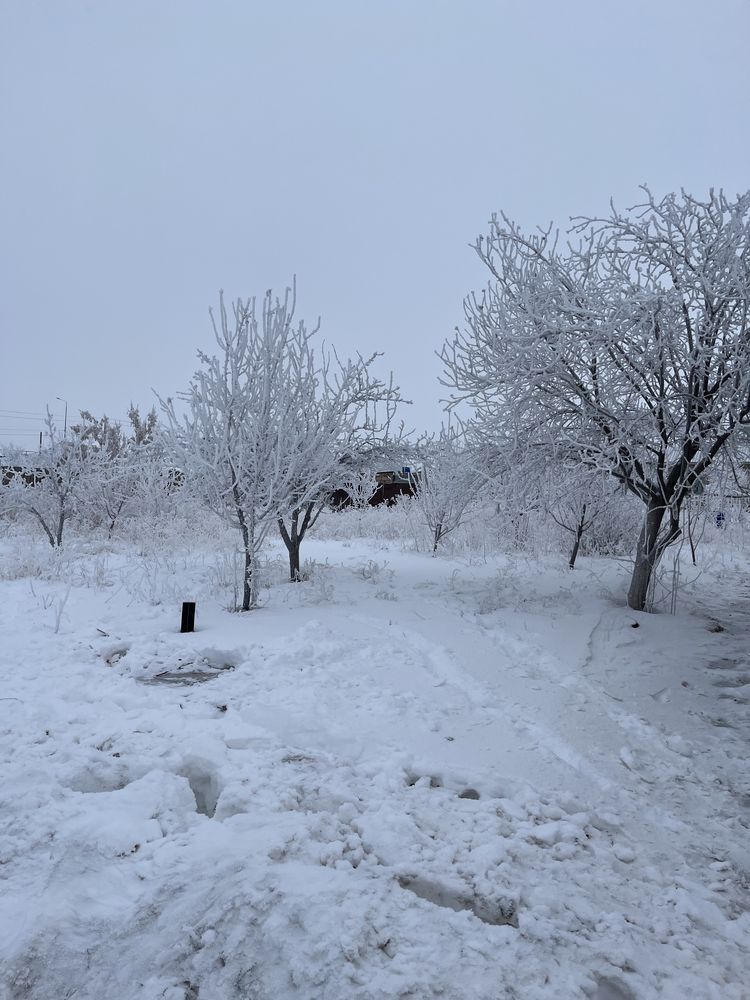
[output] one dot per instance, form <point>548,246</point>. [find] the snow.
<point>454,777</point>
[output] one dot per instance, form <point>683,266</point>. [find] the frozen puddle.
<point>190,673</point>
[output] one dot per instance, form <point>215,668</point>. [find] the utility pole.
<point>65,420</point>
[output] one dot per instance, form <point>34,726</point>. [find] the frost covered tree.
<point>97,471</point>
<point>627,344</point>
<point>359,485</point>
<point>107,486</point>
<point>45,485</point>
<point>733,477</point>
<point>115,465</point>
<point>448,483</point>
<point>575,496</point>
<point>345,417</point>
<point>267,421</point>
<point>100,433</point>
<point>143,429</point>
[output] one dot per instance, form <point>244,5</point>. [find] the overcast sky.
<point>155,152</point>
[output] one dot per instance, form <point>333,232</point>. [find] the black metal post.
<point>188,617</point>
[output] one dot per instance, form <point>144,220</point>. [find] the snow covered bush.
<point>44,486</point>
<point>576,497</point>
<point>447,487</point>
<point>116,477</point>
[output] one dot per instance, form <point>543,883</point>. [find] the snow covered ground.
<point>405,777</point>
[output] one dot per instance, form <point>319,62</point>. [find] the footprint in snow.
<point>638,763</point>
<point>740,680</point>
<point>610,989</point>
<point>663,696</point>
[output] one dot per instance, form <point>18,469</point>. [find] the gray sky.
<point>154,152</point>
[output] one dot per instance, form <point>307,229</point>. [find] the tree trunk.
<point>292,540</point>
<point>114,516</point>
<point>294,572</point>
<point>647,555</point>
<point>438,536</point>
<point>578,537</point>
<point>293,537</point>
<point>60,525</point>
<point>247,581</point>
<point>247,528</point>
<point>48,533</point>
<point>249,587</point>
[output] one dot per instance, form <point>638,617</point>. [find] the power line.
<point>10,416</point>
<point>24,413</point>
<point>22,431</point>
